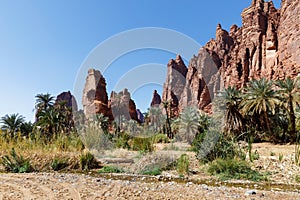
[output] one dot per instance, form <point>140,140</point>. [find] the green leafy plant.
<point>223,148</point>
<point>88,161</point>
<point>142,144</point>
<point>15,163</point>
<point>154,171</point>
<point>110,169</point>
<point>272,154</point>
<point>234,169</point>
<point>183,164</point>
<point>59,164</point>
<point>161,138</point>
<point>280,157</point>
<point>254,156</point>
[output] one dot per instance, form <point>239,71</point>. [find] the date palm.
<point>289,90</point>
<point>189,123</point>
<point>260,98</point>
<point>233,117</point>
<point>12,123</point>
<point>43,103</point>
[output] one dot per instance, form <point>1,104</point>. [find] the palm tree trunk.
<point>292,120</point>
<point>268,124</point>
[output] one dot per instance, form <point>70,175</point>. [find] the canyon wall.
<point>266,45</point>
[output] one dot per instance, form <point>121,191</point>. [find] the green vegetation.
<point>153,171</point>
<point>88,161</point>
<point>59,164</point>
<point>111,169</point>
<point>234,169</point>
<point>15,163</point>
<point>183,165</point>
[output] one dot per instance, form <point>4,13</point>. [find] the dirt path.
<point>74,186</point>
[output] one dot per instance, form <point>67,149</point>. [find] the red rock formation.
<point>95,98</point>
<point>267,45</point>
<point>156,100</point>
<point>122,104</point>
<point>68,98</point>
<point>174,84</point>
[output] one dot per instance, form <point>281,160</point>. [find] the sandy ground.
<point>74,186</point>
<point>47,185</point>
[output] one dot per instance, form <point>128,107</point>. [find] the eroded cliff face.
<point>95,99</point>
<point>68,99</point>
<point>267,45</point>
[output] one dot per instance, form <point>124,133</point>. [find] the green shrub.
<point>183,164</point>
<point>160,138</point>
<point>154,171</point>
<point>280,157</point>
<point>214,146</point>
<point>234,169</point>
<point>110,169</point>
<point>254,156</point>
<point>88,161</point>
<point>122,141</point>
<point>142,144</point>
<point>272,154</point>
<point>15,163</point>
<point>59,164</point>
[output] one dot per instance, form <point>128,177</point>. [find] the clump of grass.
<point>87,161</point>
<point>272,154</point>
<point>254,156</point>
<point>153,171</point>
<point>183,165</point>
<point>280,157</point>
<point>234,169</point>
<point>122,141</point>
<point>297,178</point>
<point>160,138</point>
<point>142,144</point>
<point>110,169</point>
<point>59,164</point>
<point>15,163</point>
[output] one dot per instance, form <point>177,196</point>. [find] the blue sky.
<point>44,43</point>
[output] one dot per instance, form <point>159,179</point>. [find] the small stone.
<point>250,192</point>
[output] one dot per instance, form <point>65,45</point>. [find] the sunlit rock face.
<point>95,99</point>
<point>266,45</point>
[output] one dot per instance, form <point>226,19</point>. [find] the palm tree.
<point>290,95</point>
<point>188,124</point>
<point>156,118</point>
<point>43,103</point>
<point>167,105</point>
<point>12,123</point>
<point>233,117</point>
<point>259,99</point>
<point>48,122</point>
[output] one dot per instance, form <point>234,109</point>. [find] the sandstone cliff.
<point>68,98</point>
<point>266,45</point>
<point>95,99</point>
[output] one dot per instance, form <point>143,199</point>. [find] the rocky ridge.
<point>266,45</point>
<point>95,99</point>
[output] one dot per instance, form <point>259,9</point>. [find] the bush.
<point>214,146</point>
<point>15,163</point>
<point>183,164</point>
<point>88,161</point>
<point>59,164</point>
<point>122,141</point>
<point>160,138</point>
<point>142,144</point>
<point>154,171</point>
<point>93,137</point>
<point>234,169</point>
<point>110,169</point>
